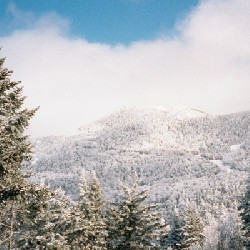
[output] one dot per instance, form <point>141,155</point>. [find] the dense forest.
<point>138,179</point>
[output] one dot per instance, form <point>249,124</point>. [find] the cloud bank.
<point>205,66</point>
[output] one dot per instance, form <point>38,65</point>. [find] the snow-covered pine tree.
<point>19,200</point>
<point>87,226</point>
<point>133,224</point>
<point>176,236</point>
<point>192,230</point>
<point>236,239</point>
<point>230,232</point>
<point>245,215</point>
<point>49,223</point>
<point>15,150</point>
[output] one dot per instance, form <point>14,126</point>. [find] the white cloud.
<point>207,66</point>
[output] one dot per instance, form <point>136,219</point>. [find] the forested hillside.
<point>176,153</point>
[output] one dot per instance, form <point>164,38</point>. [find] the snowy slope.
<point>177,153</point>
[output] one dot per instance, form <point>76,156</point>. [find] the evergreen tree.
<point>176,236</point>
<point>48,226</point>
<point>132,224</point>
<point>229,232</point>
<point>245,216</point>
<point>88,227</point>
<point>18,199</point>
<point>15,151</point>
<point>192,230</point>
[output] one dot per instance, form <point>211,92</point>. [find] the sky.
<point>81,60</point>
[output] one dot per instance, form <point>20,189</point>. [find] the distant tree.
<point>133,224</point>
<point>87,228</point>
<point>245,216</point>
<point>230,232</point>
<point>211,232</point>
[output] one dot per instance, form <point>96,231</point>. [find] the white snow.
<point>34,160</point>
<point>221,165</point>
<point>235,147</point>
<point>179,113</point>
<point>218,163</point>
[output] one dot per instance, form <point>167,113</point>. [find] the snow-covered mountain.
<point>177,153</point>
<point>141,115</point>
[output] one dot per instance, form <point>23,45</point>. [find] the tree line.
<point>35,217</point>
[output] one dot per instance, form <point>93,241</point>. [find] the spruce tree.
<point>133,224</point>
<point>49,223</point>
<point>192,230</point>
<point>87,226</point>
<point>18,199</point>
<point>176,235</point>
<point>15,148</point>
<point>15,152</point>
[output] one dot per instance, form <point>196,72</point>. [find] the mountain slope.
<point>177,154</point>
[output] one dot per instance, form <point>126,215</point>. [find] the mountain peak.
<point>146,116</point>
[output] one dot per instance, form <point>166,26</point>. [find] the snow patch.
<point>221,165</point>
<point>235,147</point>
<point>34,161</point>
<point>147,145</point>
<point>218,163</point>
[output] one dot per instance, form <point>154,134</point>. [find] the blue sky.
<point>105,21</point>
<point>80,60</point>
